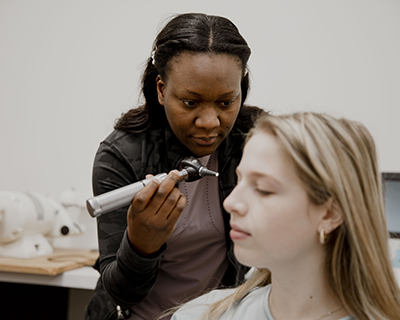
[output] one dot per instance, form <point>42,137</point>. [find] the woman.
<point>308,214</point>
<point>172,243</point>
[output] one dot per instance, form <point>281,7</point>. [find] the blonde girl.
<point>308,214</point>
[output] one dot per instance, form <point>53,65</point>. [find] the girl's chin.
<point>244,257</point>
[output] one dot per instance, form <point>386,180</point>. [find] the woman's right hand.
<point>153,214</point>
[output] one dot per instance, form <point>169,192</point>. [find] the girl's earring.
<point>322,236</point>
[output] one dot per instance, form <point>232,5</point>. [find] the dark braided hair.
<point>191,32</point>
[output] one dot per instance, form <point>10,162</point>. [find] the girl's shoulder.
<point>194,309</point>
<point>251,304</point>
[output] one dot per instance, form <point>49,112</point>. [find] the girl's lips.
<point>238,234</point>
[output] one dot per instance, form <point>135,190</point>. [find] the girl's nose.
<point>208,118</point>
<point>234,203</point>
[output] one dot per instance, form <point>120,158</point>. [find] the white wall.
<point>68,69</point>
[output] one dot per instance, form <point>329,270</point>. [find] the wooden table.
<point>60,261</point>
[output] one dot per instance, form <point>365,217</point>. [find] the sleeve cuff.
<point>128,251</point>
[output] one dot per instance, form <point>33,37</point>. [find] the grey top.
<point>186,269</point>
<point>253,306</point>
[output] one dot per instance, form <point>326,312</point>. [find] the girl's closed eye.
<point>262,191</point>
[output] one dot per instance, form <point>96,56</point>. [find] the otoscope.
<point>192,170</point>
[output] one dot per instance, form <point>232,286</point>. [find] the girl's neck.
<point>307,296</point>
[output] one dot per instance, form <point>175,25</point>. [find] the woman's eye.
<point>189,103</point>
<point>226,104</point>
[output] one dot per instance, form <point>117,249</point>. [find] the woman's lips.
<point>238,234</point>
<point>205,141</point>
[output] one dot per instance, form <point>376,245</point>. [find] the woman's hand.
<point>153,214</point>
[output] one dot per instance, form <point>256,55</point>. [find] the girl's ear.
<point>160,89</point>
<point>332,218</point>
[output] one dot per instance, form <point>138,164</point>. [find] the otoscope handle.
<point>106,202</point>
<point>123,196</point>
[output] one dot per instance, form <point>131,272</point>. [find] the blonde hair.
<point>336,158</point>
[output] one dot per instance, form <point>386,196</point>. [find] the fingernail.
<point>175,173</point>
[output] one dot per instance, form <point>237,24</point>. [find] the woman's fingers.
<point>176,212</point>
<point>144,196</point>
<point>166,194</point>
<point>172,205</point>
<point>154,212</point>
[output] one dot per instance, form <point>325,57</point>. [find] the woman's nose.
<point>208,118</point>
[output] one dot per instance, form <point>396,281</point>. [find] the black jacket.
<point>124,158</point>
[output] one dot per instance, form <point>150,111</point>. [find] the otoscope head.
<point>195,169</point>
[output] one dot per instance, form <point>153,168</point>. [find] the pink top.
<point>196,258</point>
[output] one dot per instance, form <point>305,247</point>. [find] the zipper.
<point>120,315</point>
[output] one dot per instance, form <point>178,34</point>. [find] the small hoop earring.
<point>322,236</point>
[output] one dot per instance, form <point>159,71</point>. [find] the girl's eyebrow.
<point>262,175</point>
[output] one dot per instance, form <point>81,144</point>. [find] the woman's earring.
<point>322,236</point>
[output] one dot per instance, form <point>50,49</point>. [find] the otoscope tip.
<point>205,172</point>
